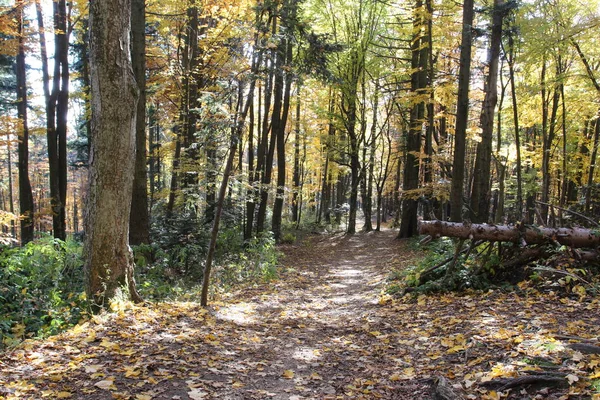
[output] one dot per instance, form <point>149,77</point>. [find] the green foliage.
<point>288,238</point>
<point>41,289</point>
<point>257,261</point>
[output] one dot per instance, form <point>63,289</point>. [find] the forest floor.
<point>324,330</point>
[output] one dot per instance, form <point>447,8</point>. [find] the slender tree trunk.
<point>11,197</point>
<point>462,114</point>
<point>286,54</point>
<point>223,191</point>
<point>511,76</point>
<point>108,259</point>
<point>267,144</point>
<point>174,171</point>
<point>139,223</point>
<point>296,175</point>
<point>548,134</point>
<point>593,157</point>
<point>368,201</point>
<point>26,206</point>
<point>480,194</point>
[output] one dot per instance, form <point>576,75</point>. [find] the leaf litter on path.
<point>324,330</point>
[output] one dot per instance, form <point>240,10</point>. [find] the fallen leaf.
<point>106,384</point>
<point>197,394</point>
<point>288,374</point>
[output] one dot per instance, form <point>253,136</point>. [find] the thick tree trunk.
<point>408,222</point>
<point>139,223</point>
<point>462,114</point>
<point>575,237</point>
<point>108,258</point>
<point>26,205</point>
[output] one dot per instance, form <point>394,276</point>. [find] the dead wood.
<point>442,390</point>
<point>575,237</point>
<point>507,383</point>
<point>585,348</point>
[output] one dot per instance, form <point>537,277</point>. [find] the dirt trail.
<point>309,335</point>
<point>320,323</point>
<point>322,331</point>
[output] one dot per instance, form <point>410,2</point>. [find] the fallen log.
<point>502,384</point>
<point>574,237</point>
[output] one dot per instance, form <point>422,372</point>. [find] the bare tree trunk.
<point>408,221</point>
<point>593,157</point>
<point>26,205</point>
<point>139,223</point>
<point>11,197</point>
<point>108,259</point>
<point>462,114</point>
<point>296,174</point>
<point>480,194</point>
<point>288,16</point>
<point>513,90</point>
<point>223,191</point>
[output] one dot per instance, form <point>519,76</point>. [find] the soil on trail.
<point>324,330</point>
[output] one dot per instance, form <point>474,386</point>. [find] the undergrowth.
<point>42,288</point>
<point>483,266</point>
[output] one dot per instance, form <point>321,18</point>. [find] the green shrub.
<point>41,289</point>
<point>288,238</point>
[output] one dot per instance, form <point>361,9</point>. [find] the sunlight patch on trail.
<point>240,313</point>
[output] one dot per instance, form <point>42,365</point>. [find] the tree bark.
<point>462,114</point>
<point>296,173</point>
<point>108,259</point>
<point>408,221</point>
<point>480,194</point>
<point>525,234</point>
<point>139,222</point>
<point>288,18</point>
<point>26,205</point>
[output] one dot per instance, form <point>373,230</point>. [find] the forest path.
<point>318,325</point>
<point>324,330</point>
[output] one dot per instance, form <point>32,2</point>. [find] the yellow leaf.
<point>91,337</point>
<point>237,384</point>
<point>143,397</point>
<point>315,376</point>
<point>375,333</point>
<point>63,395</point>
<point>288,374</point>
<point>108,345</point>
<point>132,372</point>
<point>409,372</point>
